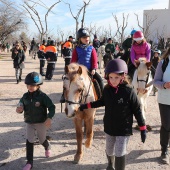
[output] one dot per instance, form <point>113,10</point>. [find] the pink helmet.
<point>138,35</point>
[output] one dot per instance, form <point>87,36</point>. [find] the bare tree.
<point>121,28</point>
<point>149,21</point>
<point>84,12</point>
<point>60,33</point>
<point>76,17</point>
<point>31,9</point>
<point>11,20</point>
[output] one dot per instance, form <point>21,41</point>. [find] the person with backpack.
<point>18,57</point>
<point>35,104</point>
<point>162,82</point>
<point>67,50</point>
<point>41,56</point>
<point>86,55</point>
<point>121,103</point>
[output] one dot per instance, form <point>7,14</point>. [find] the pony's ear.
<point>79,71</point>
<point>148,64</point>
<point>66,69</point>
<point>137,62</point>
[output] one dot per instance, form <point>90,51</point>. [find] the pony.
<point>142,82</point>
<point>78,88</point>
<point>101,53</point>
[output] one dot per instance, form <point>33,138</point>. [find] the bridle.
<point>146,81</point>
<point>82,96</point>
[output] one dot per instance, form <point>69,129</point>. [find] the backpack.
<point>165,64</point>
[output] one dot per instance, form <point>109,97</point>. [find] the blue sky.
<point>99,12</point>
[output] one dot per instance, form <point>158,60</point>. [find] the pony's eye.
<point>79,90</point>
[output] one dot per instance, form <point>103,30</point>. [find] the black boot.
<point>29,152</point>
<point>164,141</point>
<point>18,81</point>
<point>120,163</point>
<point>111,162</point>
<point>20,78</point>
<point>46,145</point>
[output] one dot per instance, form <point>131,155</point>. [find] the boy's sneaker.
<point>27,167</point>
<point>47,153</point>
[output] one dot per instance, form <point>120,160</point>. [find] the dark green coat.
<point>35,107</point>
<point>110,48</point>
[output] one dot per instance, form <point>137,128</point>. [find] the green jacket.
<point>35,107</point>
<point>110,48</point>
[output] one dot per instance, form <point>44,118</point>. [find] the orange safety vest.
<point>68,44</point>
<point>50,48</point>
<point>42,48</point>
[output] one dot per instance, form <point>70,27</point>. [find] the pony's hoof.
<point>88,143</point>
<point>77,158</point>
<point>148,127</point>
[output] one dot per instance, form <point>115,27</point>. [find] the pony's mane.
<point>142,68</point>
<point>73,69</point>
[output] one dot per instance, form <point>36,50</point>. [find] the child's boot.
<point>111,162</point>
<point>47,147</point>
<point>120,163</point>
<point>29,155</point>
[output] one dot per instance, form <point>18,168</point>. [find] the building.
<point>159,22</point>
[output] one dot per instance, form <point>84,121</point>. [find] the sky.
<point>99,13</point>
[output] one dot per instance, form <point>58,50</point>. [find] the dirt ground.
<point>12,129</point>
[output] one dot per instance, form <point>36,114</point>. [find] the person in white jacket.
<point>162,82</point>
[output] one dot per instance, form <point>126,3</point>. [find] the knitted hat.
<point>138,35</point>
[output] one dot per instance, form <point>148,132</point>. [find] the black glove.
<point>83,106</point>
<point>143,135</point>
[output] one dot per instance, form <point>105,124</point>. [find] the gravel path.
<point>12,130</point>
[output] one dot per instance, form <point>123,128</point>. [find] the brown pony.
<point>78,88</point>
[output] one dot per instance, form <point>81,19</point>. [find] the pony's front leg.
<point>89,132</point>
<point>79,137</point>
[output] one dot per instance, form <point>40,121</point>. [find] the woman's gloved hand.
<point>83,106</point>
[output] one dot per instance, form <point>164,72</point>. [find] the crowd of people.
<point>118,114</point>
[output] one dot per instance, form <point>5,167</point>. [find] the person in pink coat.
<point>140,48</point>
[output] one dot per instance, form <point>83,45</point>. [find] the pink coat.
<point>142,50</point>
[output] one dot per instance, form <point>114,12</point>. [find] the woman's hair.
<point>20,47</point>
<point>166,54</point>
<point>143,40</point>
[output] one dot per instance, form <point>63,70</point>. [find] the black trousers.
<point>50,71</point>
<point>165,126</point>
<point>42,64</point>
<point>67,61</point>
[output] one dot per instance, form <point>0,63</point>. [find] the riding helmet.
<point>82,32</point>
<point>132,32</point>
<point>138,35</point>
<point>33,78</point>
<point>116,66</point>
<point>157,51</point>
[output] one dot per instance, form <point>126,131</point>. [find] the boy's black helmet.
<point>116,66</point>
<point>33,78</point>
<point>82,32</point>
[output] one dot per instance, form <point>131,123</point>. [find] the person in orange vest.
<point>51,57</point>
<point>67,50</point>
<point>41,56</point>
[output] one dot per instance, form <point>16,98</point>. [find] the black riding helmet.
<point>82,32</point>
<point>33,78</point>
<point>116,66</point>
